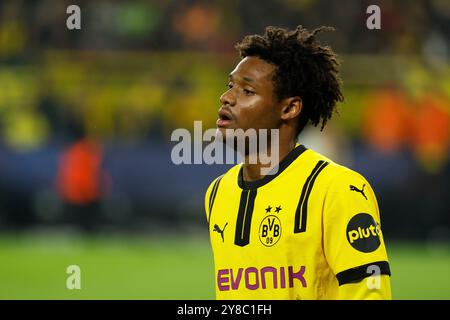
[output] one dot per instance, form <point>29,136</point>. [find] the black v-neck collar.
<point>287,160</point>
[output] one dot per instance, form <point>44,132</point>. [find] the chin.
<point>220,134</point>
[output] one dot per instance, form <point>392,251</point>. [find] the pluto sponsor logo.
<point>363,233</point>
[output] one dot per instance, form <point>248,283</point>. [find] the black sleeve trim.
<point>361,272</point>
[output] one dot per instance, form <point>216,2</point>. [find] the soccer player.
<point>311,229</point>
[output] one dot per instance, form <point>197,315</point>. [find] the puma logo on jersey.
<point>353,188</point>
<point>218,230</point>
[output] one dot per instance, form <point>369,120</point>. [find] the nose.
<point>227,98</point>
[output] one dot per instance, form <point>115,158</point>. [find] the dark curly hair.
<point>304,67</point>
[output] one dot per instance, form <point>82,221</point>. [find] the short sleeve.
<point>353,242</point>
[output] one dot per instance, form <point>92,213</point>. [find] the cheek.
<point>258,116</point>
<point>265,113</point>
<point>249,112</point>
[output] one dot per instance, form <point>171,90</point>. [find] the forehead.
<point>253,69</point>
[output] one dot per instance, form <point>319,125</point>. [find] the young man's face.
<point>250,101</point>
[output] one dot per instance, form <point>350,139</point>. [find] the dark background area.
<point>86,115</point>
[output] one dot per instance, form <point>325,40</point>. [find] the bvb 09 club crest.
<point>270,231</point>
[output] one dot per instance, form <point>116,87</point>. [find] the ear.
<point>291,108</point>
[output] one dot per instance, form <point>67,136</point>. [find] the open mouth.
<point>224,119</point>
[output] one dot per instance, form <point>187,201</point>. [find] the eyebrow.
<point>246,79</point>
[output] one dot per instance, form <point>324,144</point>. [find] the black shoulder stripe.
<point>357,274</point>
<point>302,207</point>
<point>212,196</point>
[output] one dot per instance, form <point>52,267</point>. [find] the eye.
<point>229,85</point>
<point>248,92</point>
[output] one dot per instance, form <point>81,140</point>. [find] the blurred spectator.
<point>431,136</point>
<point>81,182</point>
<point>386,123</point>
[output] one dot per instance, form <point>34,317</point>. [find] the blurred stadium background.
<point>86,117</point>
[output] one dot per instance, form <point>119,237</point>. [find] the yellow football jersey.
<point>310,231</point>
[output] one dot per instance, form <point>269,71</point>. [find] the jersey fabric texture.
<point>308,230</point>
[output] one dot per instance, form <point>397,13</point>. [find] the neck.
<point>252,172</point>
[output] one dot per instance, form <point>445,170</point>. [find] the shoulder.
<point>336,175</point>
<point>345,191</point>
<point>228,177</point>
